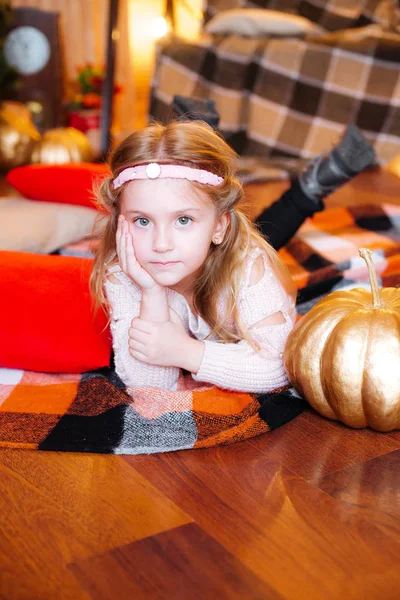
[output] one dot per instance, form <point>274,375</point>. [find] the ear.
<point>220,227</point>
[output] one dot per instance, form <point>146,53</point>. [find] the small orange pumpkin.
<point>343,356</point>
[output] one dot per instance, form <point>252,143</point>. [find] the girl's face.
<point>172,228</point>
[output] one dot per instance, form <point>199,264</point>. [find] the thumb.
<point>174,317</point>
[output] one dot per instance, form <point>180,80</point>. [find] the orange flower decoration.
<point>91,101</point>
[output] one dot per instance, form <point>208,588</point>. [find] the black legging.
<point>280,221</point>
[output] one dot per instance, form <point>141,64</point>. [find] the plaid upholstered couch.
<point>293,96</point>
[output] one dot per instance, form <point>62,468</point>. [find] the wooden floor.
<point>309,511</point>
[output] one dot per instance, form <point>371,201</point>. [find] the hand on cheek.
<point>127,258</point>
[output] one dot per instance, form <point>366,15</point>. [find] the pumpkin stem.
<point>366,254</point>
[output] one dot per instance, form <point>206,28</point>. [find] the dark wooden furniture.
<point>108,87</point>
<point>46,86</point>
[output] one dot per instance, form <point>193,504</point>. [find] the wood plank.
<point>179,564</point>
<point>372,187</point>
<point>290,534</point>
<point>312,446</point>
<point>59,507</point>
<point>371,490</point>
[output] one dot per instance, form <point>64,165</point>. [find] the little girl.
<point>188,281</point>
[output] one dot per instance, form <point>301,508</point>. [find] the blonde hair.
<point>196,144</point>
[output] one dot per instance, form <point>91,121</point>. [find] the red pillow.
<point>48,322</point>
<point>70,183</point>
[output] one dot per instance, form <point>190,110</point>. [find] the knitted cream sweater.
<point>235,366</point>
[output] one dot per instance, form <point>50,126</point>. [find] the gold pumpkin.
<point>343,357</point>
<point>17,136</point>
<point>62,145</point>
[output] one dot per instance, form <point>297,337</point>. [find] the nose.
<point>162,240</point>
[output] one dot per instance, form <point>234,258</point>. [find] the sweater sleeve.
<point>124,300</point>
<point>238,366</point>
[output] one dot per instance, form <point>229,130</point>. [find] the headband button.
<point>153,170</point>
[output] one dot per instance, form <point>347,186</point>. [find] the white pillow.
<point>42,227</point>
<point>256,22</point>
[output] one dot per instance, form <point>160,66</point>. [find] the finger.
<point>129,234</point>
<point>130,247</point>
<point>123,249</point>
<point>174,317</point>
<point>172,314</point>
<point>130,225</point>
<point>138,356</point>
<point>131,259</point>
<point>138,335</point>
<point>140,325</point>
<point>118,237</point>
<point>138,346</point>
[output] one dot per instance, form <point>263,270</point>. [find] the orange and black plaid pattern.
<point>94,412</point>
<point>323,256</point>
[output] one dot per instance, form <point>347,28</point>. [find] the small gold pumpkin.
<point>343,356</point>
<point>18,136</point>
<point>62,145</point>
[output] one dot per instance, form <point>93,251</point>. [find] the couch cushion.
<point>48,319</point>
<point>213,7</point>
<point>256,22</point>
<point>329,14</point>
<point>42,227</point>
<point>68,184</point>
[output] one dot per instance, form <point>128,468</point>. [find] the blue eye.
<point>141,222</point>
<point>184,220</point>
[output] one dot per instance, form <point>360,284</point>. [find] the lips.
<point>165,264</point>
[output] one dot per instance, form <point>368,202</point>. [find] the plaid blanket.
<point>289,97</point>
<point>323,256</point>
<point>95,412</point>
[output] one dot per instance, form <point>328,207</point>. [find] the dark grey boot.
<point>328,171</point>
<point>320,177</point>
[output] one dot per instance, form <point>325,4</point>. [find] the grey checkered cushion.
<point>212,7</point>
<point>330,14</point>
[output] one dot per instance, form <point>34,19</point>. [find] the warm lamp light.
<point>159,27</point>
<point>188,17</point>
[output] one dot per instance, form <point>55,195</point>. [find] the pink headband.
<point>156,171</point>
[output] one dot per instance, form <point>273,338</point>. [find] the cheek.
<point>198,246</point>
<point>202,234</point>
<point>141,243</point>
